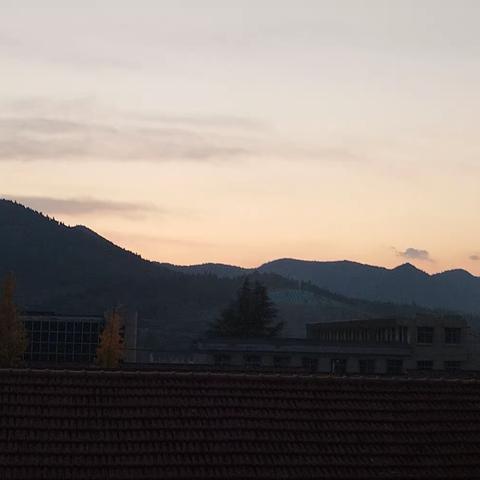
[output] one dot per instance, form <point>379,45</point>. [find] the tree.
<point>251,314</point>
<point>13,339</point>
<point>111,348</point>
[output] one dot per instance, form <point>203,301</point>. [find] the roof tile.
<point>148,425</point>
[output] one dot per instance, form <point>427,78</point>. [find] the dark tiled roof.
<point>171,425</point>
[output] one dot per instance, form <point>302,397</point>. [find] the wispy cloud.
<point>35,129</point>
<point>85,206</point>
<point>38,138</point>
<point>415,254</point>
<point>206,121</point>
<point>474,257</point>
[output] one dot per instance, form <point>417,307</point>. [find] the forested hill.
<point>74,270</point>
<point>453,290</point>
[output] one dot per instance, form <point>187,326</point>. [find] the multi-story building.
<point>435,342</point>
<point>377,346</point>
<point>300,354</point>
<point>58,339</point>
<point>62,338</point>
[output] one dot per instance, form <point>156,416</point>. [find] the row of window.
<point>452,335</point>
<point>62,326</point>
<point>84,358</point>
<point>448,365</point>
<point>398,334</point>
<point>338,365</point>
<point>62,348</point>
<point>63,337</point>
<point>425,335</point>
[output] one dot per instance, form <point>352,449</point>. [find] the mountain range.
<point>453,290</point>
<point>74,270</point>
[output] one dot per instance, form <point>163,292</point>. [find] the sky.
<point>241,131</point>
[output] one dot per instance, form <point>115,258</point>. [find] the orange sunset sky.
<point>243,131</point>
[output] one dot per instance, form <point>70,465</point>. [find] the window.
<point>394,367</point>
<point>367,366</point>
<point>424,365</point>
<point>452,335</point>
<point>425,335</point>
<point>452,365</point>
<point>252,361</point>
<point>281,361</point>
<point>310,364</point>
<point>339,366</point>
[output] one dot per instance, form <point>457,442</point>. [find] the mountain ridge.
<point>455,289</point>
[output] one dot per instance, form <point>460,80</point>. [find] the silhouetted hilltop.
<point>219,269</point>
<point>454,290</point>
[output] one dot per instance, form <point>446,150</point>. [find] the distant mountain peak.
<point>83,228</point>
<point>408,267</point>
<point>455,273</point>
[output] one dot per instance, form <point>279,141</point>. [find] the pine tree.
<point>111,348</point>
<point>13,341</point>
<point>251,314</point>
<point>265,312</point>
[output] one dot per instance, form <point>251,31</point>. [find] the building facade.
<point>62,338</point>
<point>444,343</point>
<point>301,354</point>
<point>366,347</point>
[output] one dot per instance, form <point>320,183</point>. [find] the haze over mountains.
<point>453,290</point>
<point>74,270</point>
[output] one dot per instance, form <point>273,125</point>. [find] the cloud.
<point>39,138</point>
<point>38,129</point>
<point>85,206</point>
<point>207,121</point>
<point>474,257</point>
<point>415,254</point>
